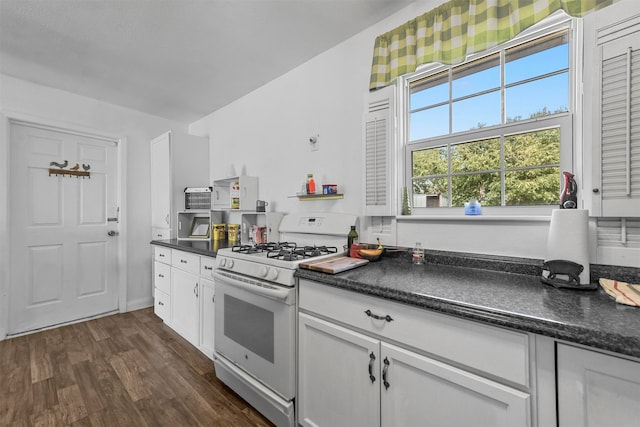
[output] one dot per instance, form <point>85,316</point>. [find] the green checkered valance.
<point>459,28</point>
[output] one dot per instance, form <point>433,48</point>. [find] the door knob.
<point>112,233</point>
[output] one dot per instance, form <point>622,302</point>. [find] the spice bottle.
<point>311,184</point>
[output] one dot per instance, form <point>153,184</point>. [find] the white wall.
<point>23,99</point>
<point>265,134</point>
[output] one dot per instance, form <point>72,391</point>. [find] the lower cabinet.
<point>185,306</point>
<point>184,295</point>
<point>596,389</point>
<point>207,308</point>
<point>349,378</point>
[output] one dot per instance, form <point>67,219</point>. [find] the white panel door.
<point>419,391</point>
<point>63,262</point>
<point>338,376</point>
<point>597,390</point>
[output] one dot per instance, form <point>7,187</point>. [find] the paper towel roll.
<point>569,239</point>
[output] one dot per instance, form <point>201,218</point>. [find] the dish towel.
<point>624,293</point>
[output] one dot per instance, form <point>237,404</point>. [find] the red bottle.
<point>311,184</point>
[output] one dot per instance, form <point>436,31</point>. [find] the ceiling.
<point>177,59</point>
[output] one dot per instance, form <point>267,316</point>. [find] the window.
<point>496,128</point>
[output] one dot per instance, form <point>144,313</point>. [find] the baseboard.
<point>138,304</point>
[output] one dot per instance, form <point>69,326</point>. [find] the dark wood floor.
<point>122,370</point>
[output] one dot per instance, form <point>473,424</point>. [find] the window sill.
<point>477,218</point>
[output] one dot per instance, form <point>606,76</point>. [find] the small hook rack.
<point>69,172</point>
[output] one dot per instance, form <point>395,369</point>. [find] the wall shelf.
<point>307,197</point>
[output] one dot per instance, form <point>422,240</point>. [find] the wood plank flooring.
<point>123,370</point>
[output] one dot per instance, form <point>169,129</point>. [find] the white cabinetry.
<point>364,361</point>
<point>185,291</point>
<point>596,389</point>
<point>239,193</point>
<point>612,116</point>
<point>177,161</point>
<point>162,282</point>
<point>207,305</point>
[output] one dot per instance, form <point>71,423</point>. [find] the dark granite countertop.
<point>513,300</point>
<point>206,247</point>
<point>497,290</point>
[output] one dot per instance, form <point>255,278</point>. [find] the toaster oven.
<point>197,198</point>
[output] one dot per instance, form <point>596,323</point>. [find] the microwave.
<point>197,198</point>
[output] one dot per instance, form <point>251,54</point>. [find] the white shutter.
<point>378,153</point>
<point>620,121</point>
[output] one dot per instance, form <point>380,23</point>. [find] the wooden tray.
<point>334,265</point>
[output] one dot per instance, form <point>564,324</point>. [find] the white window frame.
<point>569,124</point>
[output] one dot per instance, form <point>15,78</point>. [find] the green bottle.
<point>352,238</point>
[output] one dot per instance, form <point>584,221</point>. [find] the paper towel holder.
<point>564,274</point>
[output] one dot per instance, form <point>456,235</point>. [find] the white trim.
<point>4,225</point>
<point>138,304</point>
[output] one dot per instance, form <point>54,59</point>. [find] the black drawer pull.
<point>206,267</point>
<point>375,316</point>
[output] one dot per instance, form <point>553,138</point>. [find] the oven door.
<point>255,329</point>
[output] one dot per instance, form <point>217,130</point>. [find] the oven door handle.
<point>264,289</point>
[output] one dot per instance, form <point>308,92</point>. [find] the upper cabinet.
<point>177,161</point>
<point>379,153</point>
<point>612,110</point>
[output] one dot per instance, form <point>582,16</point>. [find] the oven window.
<point>250,326</point>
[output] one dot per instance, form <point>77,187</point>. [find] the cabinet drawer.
<point>186,261</point>
<point>495,351</point>
<point>162,254</point>
<point>162,277</point>
<point>206,266</point>
<point>162,305</point>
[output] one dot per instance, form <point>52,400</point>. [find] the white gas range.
<point>255,329</point>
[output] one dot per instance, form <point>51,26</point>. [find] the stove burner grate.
<point>294,253</point>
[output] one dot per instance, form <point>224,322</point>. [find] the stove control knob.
<point>229,263</point>
<point>223,262</point>
<point>262,271</point>
<point>273,274</point>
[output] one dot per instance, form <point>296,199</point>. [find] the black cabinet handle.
<point>183,261</point>
<point>375,316</point>
<point>206,267</point>
<point>372,358</point>
<point>384,373</point>
<point>161,276</point>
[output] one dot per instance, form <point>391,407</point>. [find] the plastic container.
<point>329,189</point>
<point>311,184</point>
<point>417,257</point>
<point>472,207</point>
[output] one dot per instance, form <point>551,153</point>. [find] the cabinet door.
<point>207,307</point>
<point>161,182</point>
<point>417,390</point>
<point>595,389</point>
<point>185,308</point>
<point>335,388</point>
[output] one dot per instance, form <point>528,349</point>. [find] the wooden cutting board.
<point>334,264</point>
